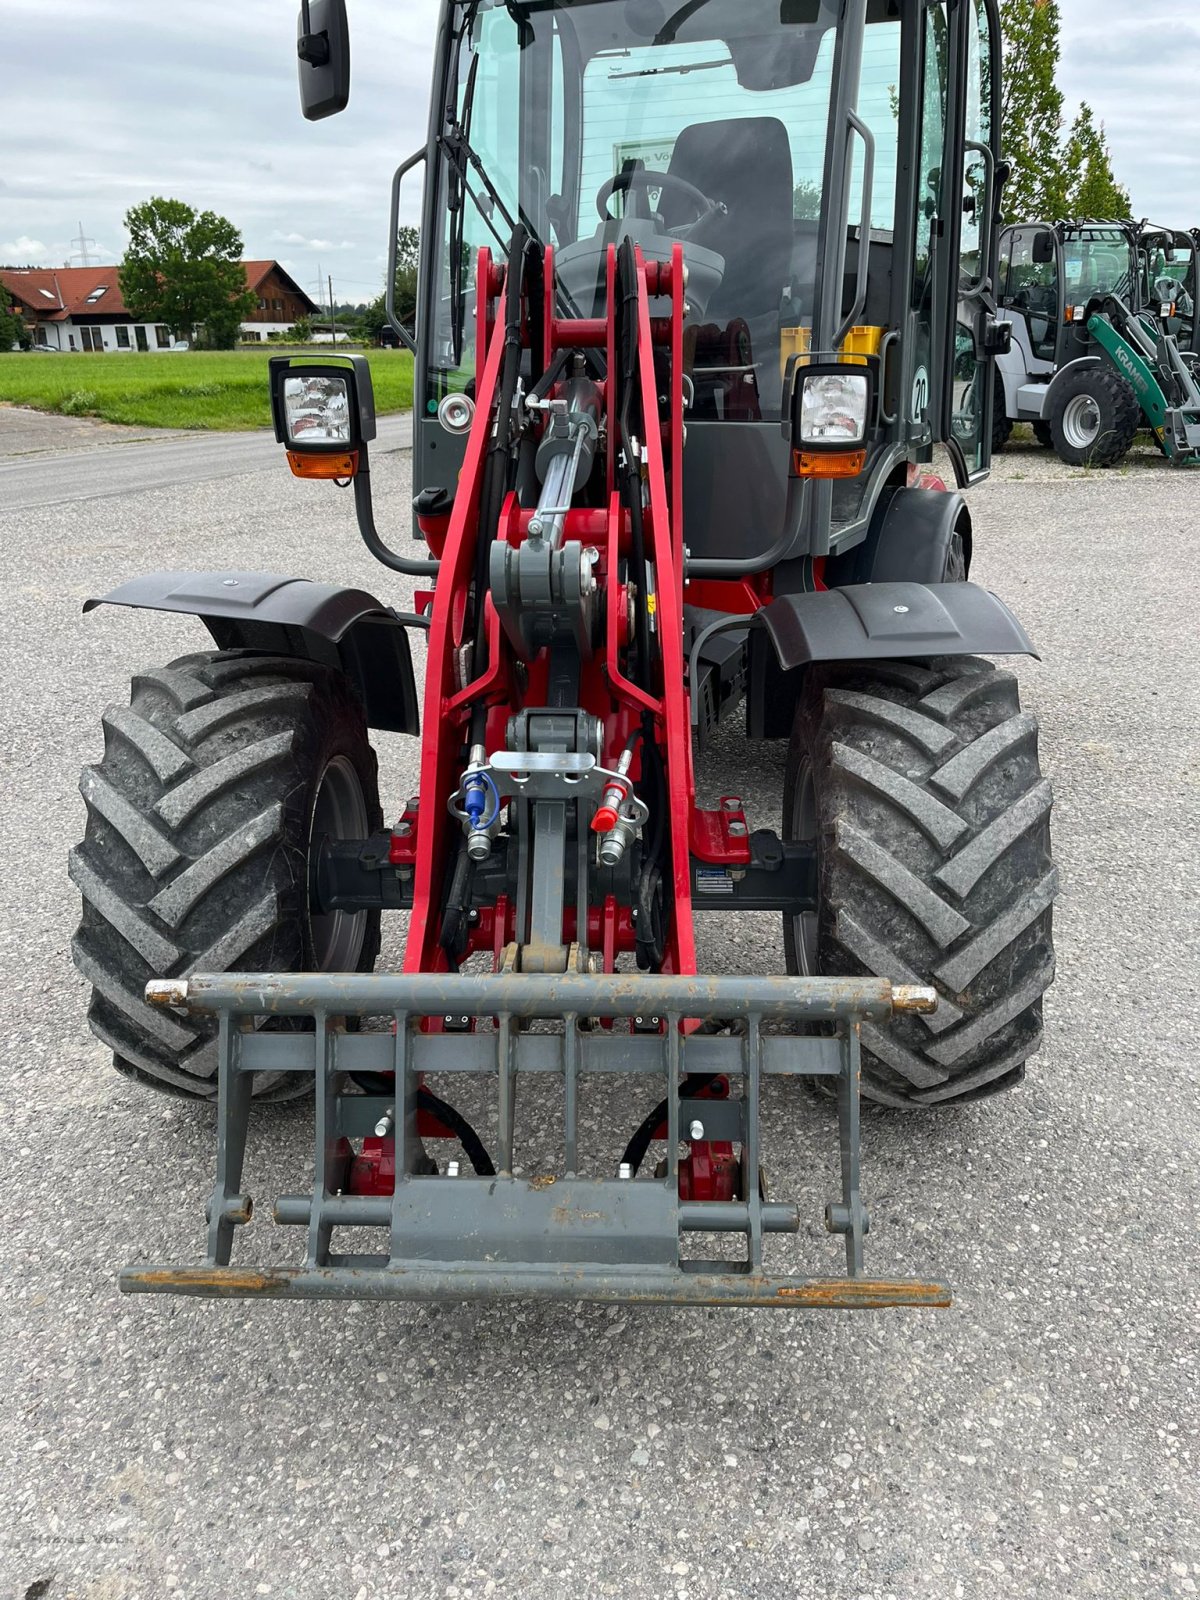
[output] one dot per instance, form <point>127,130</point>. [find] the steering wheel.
<point>639,179</point>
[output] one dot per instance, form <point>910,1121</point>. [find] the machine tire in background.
<point>215,781</point>
<point>920,785</point>
<point>1001,421</point>
<point>1044,435</point>
<point>1094,418</point>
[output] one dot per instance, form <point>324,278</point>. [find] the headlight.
<point>316,410</point>
<point>323,412</point>
<point>833,410</point>
<point>832,413</point>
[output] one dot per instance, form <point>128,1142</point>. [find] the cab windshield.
<point>1168,268</point>
<point>1097,262</point>
<point>702,122</point>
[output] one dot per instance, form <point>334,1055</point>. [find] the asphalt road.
<point>1037,1440</point>
<point>33,474</point>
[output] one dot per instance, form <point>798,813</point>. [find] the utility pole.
<point>317,288</point>
<point>332,317</point>
<point>83,241</point>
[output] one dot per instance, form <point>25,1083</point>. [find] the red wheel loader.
<point>703,284</point>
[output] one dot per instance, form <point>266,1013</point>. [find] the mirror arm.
<point>312,48</point>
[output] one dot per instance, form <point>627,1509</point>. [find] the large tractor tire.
<point>920,787</point>
<point>215,783</point>
<point>1002,426</point>
<point>1094,418</point>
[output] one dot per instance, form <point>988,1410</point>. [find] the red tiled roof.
<point>55,293</point>
<point>256,271</point>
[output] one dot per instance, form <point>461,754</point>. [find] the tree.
<point>184,268</point>
<point>1051,177</point>
<point>408,253</point>
<point>806,201</point>
<point>1091,190</point>
<point>1031,107</point>
<point>12,327</point>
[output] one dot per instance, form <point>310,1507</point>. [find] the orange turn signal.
<point>324,465</point>
<point>828,463</point>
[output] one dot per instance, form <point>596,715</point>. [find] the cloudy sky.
<point>105,102</point>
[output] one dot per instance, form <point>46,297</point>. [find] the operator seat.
<point>745,164</point>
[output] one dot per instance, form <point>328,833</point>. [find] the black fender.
<point>1064,374</point>
<point>278,615</point>
<point>909,538</point>
<point>867,622</point>
<point>891,622</point>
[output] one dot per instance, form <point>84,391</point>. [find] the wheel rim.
<point>1081,422</point>
<point>339,812</point>
<point>802,829</point>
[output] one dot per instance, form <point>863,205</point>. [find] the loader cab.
<point>1166,264</point>
<point>1048,274</point>
<point>829,170</point>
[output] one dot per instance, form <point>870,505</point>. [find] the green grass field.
<point>183,389</point>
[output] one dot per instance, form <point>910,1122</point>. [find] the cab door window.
<point>1029,290</point>
<point>972,372</point>
<point>927,291</point>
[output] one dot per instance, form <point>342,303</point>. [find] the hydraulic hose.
<point>463,1131</point>
<point>631,476</point>
<point>427,1101</point>
<point>495,485</point>
<point>635,1151</point>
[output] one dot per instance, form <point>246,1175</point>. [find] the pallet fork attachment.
<point>562,1237</point>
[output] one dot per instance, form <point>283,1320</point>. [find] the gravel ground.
<point>1037,1440</point>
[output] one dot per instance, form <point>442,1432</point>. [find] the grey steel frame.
<point>559,1236</point>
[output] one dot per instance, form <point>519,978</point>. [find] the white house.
<point>80,308</point>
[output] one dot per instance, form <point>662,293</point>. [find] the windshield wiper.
<point>681,69</point>
<point>462,158</point>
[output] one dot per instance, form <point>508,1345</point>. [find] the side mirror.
<point>1044,248</point>
<point>324,412</point>
<point>993,337</point>
<point>323,46</point>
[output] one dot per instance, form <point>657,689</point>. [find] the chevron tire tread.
<point>195,854</point>
<point>932,823</point>
<point>1120,417</point>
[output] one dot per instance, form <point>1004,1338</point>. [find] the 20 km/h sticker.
<point>920,394</point>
